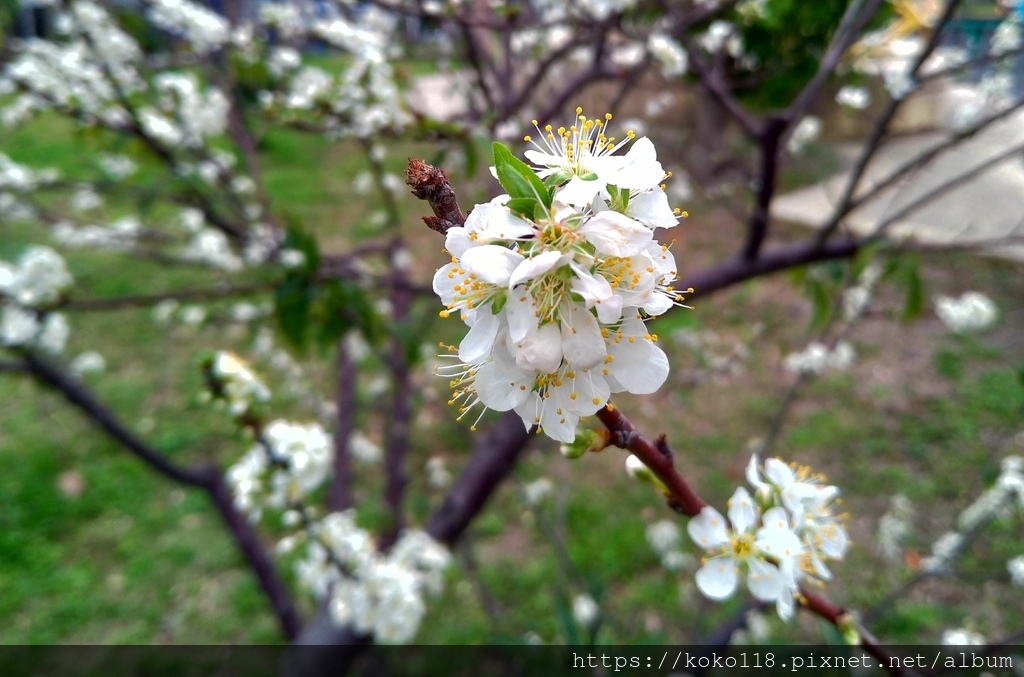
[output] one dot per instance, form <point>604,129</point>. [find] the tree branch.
<point>206,477</point>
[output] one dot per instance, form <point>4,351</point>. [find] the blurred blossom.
<point>962,637</point>
<point>536,491</point>
<point>817,359</point>
<point>585,610</point>
<point>857,98</point>
<point>87,363</point>
<point>1016,568</point>
<point>363,449</point>
<point>972,311</point>
<point>806,131</point>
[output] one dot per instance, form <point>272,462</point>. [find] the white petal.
<point>754,475</point>
<point>546,159</point>
<point>557,421</point>
<point>457,241</point>
<point>616,234</point>
<point>582,342</point>
<point>444,282</point>
<point>521,312</point>
<point>492,263</point>
<point>580,192</point>
<point>742,512</point>
<point>638,365</point>
<point>597,293</point>
<point>480,340</point>
<point>717,578</point>
<point>591,391</point>
<point>651,208</point>
<point>540,351</point>
<point>641,169</point>
<point>501,386</point>
<point>529,410</point>
<point>708,529</point>
<point>764,580</point>
<point>536,266</point>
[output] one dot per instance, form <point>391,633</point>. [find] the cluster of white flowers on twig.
<point>817,358</point>
<point>972,311</point>
<point>556,280</point>
<point>30,289</point>
<point>381,594</point>
<point>782,534</point>
<point>1002,499</point>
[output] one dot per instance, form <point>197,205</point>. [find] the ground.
<point>96,549</point>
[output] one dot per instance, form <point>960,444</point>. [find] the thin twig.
<point>207,477</point>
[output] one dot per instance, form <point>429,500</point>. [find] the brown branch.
<point>854,20</point>
<point>880,130</point>
<point>682,498</point>
<point>206,477</point>
<point>735,270</point>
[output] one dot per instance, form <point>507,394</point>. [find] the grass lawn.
<point>96,549</point>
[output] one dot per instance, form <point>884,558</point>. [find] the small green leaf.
<point>498,303</point>
<point>522,205</point>
<point>517,178</point>
<point>914,303</point>
<point>557,179</point>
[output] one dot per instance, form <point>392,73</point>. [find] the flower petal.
<point>717,578</point>
<point>708,529</point>
<point>764,580</point>
<point>479,340</point>
<point>582,342</point>
<point>536,266</point>
<point>492,263</point>
<point>651,208</point>
<point>501,386</point>
<point>742,512</point>
<point>616,234</point>
<point>521,311</point>
<point>540,351</point>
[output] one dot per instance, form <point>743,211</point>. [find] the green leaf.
<point>914,303</point>
<point>517,178</point>
<point>821,301</point>
<point>292,305</point>
<point>522,205</point>
<point>557,179</point>
<point>296,237</point>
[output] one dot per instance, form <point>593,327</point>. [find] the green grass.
<point>134,559</point>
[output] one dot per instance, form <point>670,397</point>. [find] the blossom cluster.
<point>378,594</point>
<point>972,311</point>
<point>781,534</point>
<point>999,500</point>
<point>817,358</point>
<point>29,290</point>
<point>557,278</point>
<point>235,383</point>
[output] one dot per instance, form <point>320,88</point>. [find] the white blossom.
<point>88,362</point>
<point>817,358</point>
<point>363,449</point>
<point>962,637</point>
<point>857,98</point>
<point>972,311</point>
<point>237,383</point>
<point>1016,568</point>
<point>585,610</point>
<point>536,491</point>
<point>763,546</point>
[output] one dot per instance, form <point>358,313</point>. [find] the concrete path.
<point>987,207</point>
